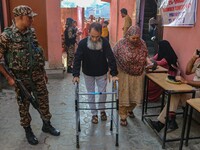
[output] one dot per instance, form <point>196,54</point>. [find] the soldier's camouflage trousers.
<point>39,88</point>
<point>70,50</point>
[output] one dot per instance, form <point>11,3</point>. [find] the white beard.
<point>94,45</point>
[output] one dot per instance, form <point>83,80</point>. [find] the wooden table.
<point>159,69</point>
<point>168,90</point>
<point>192,104</point>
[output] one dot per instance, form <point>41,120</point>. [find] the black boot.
<point>30,136</point>
<point>157,125</point>
<point>48,128</point>
<point>69,69</point>
<point>172,125</point>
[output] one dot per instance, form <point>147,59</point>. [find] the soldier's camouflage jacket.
<point>21,50</point>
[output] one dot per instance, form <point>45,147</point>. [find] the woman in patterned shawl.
<point>131,56</point>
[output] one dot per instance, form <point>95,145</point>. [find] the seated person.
<point>165,57</point>
<point>193,66</point>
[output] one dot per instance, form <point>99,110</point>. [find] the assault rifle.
<point>23,91</point>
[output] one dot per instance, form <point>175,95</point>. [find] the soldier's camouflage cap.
<point>23,10</point>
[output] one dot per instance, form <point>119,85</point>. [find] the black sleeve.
<point>77,60</point>
<point>111,59</point>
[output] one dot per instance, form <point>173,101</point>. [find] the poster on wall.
<point>178,13</point>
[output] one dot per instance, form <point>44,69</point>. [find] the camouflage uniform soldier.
<point>70,40</point>
<point>24,57</point>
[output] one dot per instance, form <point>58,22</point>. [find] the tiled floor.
<point>136,136</point>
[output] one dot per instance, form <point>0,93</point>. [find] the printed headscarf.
<point>131,58</point>
<point>133,30</point>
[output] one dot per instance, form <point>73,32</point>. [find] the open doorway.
<point>1,17</point>
<point>149,9</point>
<point>83,13</point>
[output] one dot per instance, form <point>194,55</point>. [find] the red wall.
<point>116,21</point>
<point>74,13</point>
<point>114,15</point>
<point>5,15</point>
<point>53,29</point>
<point>47,25</point>
<point>39,21</point>
<point>80,17</point>
<point>130,5</point>
<point>68,12</point>
<point>184,40</point>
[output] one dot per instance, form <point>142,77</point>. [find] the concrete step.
<point>55,73</point>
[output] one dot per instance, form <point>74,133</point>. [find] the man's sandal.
<point>131,114</point>
<point>103,116</point>
<point>95,119</point>
<point>123,122</point>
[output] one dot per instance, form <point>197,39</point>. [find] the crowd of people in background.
<point>72,35</point>
<point>102,21</point>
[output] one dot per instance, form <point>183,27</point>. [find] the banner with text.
<point>179,12</point>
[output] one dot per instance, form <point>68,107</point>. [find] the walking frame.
<point>114,99</point>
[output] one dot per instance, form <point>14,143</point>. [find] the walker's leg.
<point>117,123</point>
<point>117,143</point>
<point>79,121</point>
<point>117,115</point>
<point>111,120</point>
<point>77,124</point>
<point>144,98</point>
<point>77,141</point>
<point>77,115</point>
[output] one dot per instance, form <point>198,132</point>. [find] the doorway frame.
<point>1,16</point>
